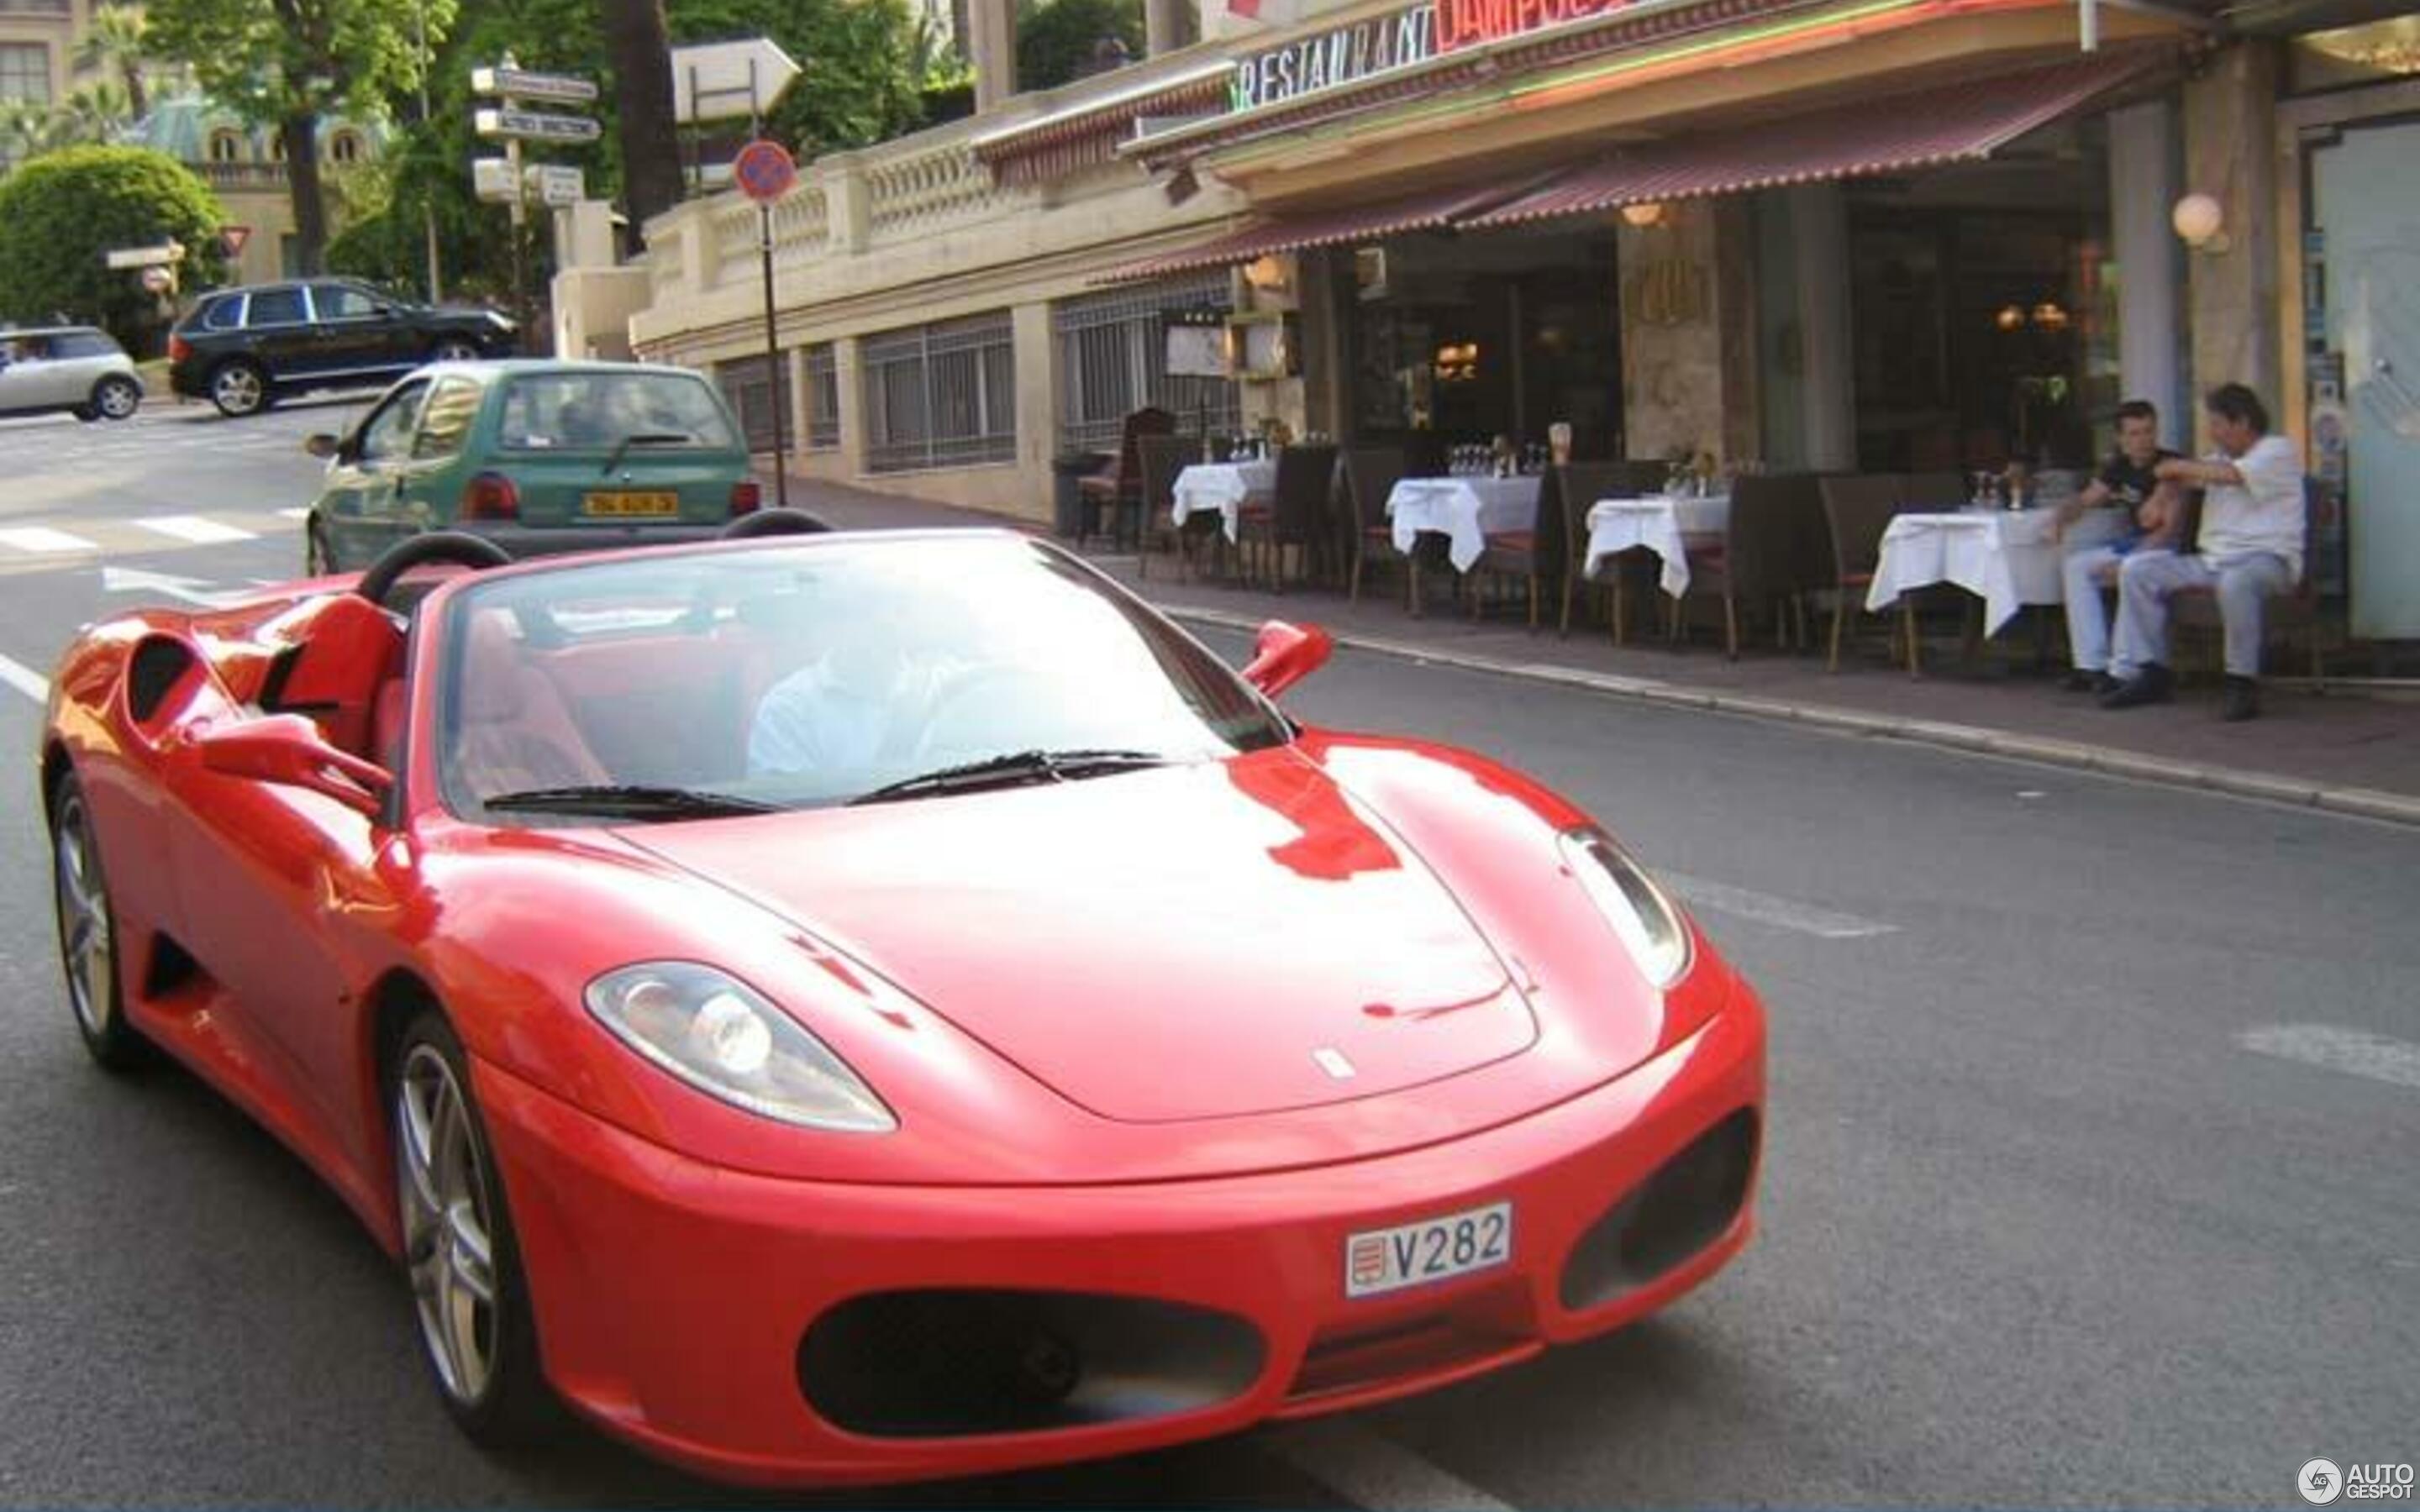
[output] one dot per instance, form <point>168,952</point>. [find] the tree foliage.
<point>61,213</point>
<point>1058,41</point>
<point>291,63</point>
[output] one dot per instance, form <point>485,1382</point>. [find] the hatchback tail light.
<point>179,349</point>
<point>491,496</point>
<point>746,495</point>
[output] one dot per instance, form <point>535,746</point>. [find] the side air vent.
<point>159,664</point>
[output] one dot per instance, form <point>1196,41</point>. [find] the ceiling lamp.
<point>1644,215</point>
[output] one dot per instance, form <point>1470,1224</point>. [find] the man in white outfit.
<point>2250,547</point>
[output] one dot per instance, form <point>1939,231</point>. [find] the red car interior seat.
<point>332,672</point>
<point>517,732</point>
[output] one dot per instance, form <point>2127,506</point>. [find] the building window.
<point>346,147</point>
<point>1113,360</point>
<point>226,146</point>
<point>941,396</point>
<point>823,400</point>
<point>748,383</point>
<point>25,72</point>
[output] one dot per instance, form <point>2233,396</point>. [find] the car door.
<point>356,331</point>
<point>358,509</point>
<point>19,384</point>
<point>429,485</point>
<point>47,381</point>
<point>279,334</point>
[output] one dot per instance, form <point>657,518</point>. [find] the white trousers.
<point>2085,572</point>
<point>2244,582</point>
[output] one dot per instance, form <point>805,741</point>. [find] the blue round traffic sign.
<point>763,171</point>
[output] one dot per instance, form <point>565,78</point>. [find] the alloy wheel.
<point>448,1224</point>
<point>88,929</point>
<point>454,350</point>
<point>117,398</point>
<point>237,390</point>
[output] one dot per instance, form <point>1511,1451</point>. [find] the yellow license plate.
<point>631,505</point>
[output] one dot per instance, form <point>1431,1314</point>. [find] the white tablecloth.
<point>1464,510</point>
<point>2007,559</point>
<point>1224,486</point>
<point>1661,525</point>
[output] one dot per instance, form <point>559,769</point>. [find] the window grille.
<point>941,396</point>
<point>823,400</point>
<point>1112,361</point>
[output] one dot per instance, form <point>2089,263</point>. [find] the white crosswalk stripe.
<point>193,528</point>
<point>43,540</point>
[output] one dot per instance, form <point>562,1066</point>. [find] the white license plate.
<point>1434,1249</point>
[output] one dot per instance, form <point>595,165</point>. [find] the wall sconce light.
<point>2012,317</point>
<point>1266,271</point>
<point>2201,223</point>
<point>1182,185</point>
<point>1643,216</point>
<point>2050,316</point>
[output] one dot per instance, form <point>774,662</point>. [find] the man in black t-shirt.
<point>2154,516</point>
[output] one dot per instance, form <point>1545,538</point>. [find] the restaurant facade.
<point>1836,235</point>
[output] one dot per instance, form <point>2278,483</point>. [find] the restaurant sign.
<point>1346,54</point>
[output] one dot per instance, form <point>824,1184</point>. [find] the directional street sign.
<point>555,184</point>
<point>763,171</point>
<point>520,83</point>
<point>491,179</point>
<point>718,80</point>
<point>537,126</point>
<point>161,255</point>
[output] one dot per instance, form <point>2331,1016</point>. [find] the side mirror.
<point>322,445</point>
<point>1284,654</point>
<point>289,749</point>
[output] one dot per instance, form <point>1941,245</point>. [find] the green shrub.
<point>63,212</point>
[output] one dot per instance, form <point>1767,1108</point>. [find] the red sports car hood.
<point>1189,942</point>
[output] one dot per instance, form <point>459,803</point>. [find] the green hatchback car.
<point>539,457</point>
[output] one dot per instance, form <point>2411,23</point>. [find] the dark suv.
<point>241,348</point>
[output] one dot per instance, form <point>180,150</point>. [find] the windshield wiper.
<point>1014,767</point>
<point>608,800</point>
<point>644,437</point>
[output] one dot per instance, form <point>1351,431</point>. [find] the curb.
<point>2106,761</point>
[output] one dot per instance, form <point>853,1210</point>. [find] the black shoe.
<point>2239,700</point>
<point>2150,684</point>
<point>2080,681</point>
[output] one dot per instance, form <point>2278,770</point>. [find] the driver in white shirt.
<point>2250,548</point>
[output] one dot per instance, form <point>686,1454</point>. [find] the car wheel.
<point>85,413</point>
<point>468,1294</point>
<point>88,934</point>
<point>116,397</point>
<point>453,350</point>
<point>318,561</point>
<point>239,389</point>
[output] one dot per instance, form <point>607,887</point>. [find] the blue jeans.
<point>2085,572</point>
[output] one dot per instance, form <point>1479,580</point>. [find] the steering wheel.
<point>775,522</point>
<point>460,547</point>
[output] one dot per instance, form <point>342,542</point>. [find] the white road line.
<point>1781,913</point>
<point>299,512</point>
<point>194,528</point>
<point>43,539</point>
<point>1374,1473</point>
<point>24,680</point>
<point>2354,1052</point>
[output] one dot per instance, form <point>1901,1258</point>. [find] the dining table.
<point>1664,524</point>
<point>1465,510</point>
<point>1225,487</point>
<point>2007,558</point>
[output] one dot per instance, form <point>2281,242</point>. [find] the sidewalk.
<point>2348,750</point>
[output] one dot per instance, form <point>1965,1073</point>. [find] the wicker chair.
<point>1768,554</point>
<point>1163,457</point>
<point>1118,488</point>
<point>1580,485</point>
<point>1371,475</point>
<point>1296,515</point>
<point>1856,511</point>
<point>2296,610</point>
<point>1536,555</point>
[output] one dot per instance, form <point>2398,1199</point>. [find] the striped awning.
<point>1369,222</point>
<point>1087,134</point>
<point>1945,123</point>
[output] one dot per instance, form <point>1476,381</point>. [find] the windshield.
<point>798,676</point>
<point>575,410</point>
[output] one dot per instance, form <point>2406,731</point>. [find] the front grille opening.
<point>1688,1203</point>
<point>937,1364</point>
<point>1406,1351</point>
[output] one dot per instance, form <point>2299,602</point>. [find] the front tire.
<point>318,560</point>
<point>469,1300</point>
<point>453,350</point>
<point>239,389</point>
<point>88,925</point>
<point>116,397</point>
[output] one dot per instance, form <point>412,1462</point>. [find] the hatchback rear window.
<point>557,411</point>
<point>86,344</point>
<point>224,315</point>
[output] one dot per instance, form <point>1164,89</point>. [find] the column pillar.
<point>2142,192</point>
<point>2230,121</point>
<point>991,47</point>
<point>853,439</point>
<point>1037,407</point>
<point>1819,224</point>
<point>1164,25</point>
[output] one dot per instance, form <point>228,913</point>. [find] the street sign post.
<point>161,256</point>
<point>535,126</point>
<point>557,184</point>
<point>765,172</point>
<point>723,81</point>
<point>509,84</point>
<point>520,83</point>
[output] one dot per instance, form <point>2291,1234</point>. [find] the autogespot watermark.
<point>2321,1482</point>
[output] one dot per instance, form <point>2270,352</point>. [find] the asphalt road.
<point>2095,1112</point>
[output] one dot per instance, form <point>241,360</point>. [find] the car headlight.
<point>1649,927</point>
<point>719,1035</point>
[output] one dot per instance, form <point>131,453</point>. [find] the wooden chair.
<point>2296,610</point>
<point>1371,473</point>
<point>1932,492</point>
<point>1296,514</point>
<point>1767,553</point>
<point>1118,488</point>
<point>1856,511</point>
<point>1162,459</point>
<point>1535,554</point>
<point>1581,485</point>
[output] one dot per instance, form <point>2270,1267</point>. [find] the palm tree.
<point>116,44</point>
<point>26,131</point>
<point>94,113</point>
